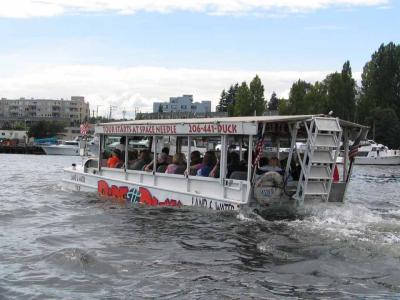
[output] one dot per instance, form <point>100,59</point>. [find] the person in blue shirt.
<point>209,161</point>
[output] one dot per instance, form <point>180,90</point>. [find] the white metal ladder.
<point>319,161</point>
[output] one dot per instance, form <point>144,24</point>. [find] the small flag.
<point>84,128</point>
<point>353,151</point>
<point>259,150</point>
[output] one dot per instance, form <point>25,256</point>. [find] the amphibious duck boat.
<point>235,176</point>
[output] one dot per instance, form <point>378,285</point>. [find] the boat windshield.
<point>71,143</point>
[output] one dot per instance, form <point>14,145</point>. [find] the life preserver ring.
<point>268,188</point>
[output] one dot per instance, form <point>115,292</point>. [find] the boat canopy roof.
<point>203,126</point>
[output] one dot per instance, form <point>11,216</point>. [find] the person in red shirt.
<point>115,160</point>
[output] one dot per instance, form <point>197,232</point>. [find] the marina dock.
<point>21,149</point>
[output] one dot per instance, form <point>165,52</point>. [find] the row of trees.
<point>243,100</point>
<point>375,103</point>
<point>337,93</point>
<point>46,129</point>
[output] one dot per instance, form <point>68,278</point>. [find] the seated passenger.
<point>166,151</point>
<point>195,162</point>
<point>273,165</point>
<point>144,159</point>
<point>103,161</point>
<point>132,157</point>
<point>209,161</point>
<point>261,167</point>
<point>295,168</point>
<point>234,164</point>
<point>214,173</point>
<point>178,160</point>
<point>244,162</point>
<point>115,160</point>
<point>163,159</point>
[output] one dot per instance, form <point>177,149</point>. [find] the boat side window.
<point>139,154</point>
<point>236,157</point>
<point>204,157</point>
<point>160,148</point>
<point>109,143</point>
<point>362,154</point>
<point>172,159</point>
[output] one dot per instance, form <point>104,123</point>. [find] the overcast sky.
<point>129,53</point>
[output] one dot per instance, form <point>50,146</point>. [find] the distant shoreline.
<point>22,150</point>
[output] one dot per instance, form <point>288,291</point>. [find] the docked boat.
<point>251,178</point>
<point>372,153</point>
<point>65,148</point>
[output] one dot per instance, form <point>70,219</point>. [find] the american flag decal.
<point>84,128</point>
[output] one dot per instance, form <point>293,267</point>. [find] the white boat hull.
<point>61,150</point>
<point>126,192</point>
<point>388,160</point>
<point>372,161</point>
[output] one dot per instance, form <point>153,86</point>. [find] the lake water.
<point>56,244</point>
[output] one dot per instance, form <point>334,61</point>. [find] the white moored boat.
<point>372,153</point>
<point>65,148</point>
<point>303,176</point>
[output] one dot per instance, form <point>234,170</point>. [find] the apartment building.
<point>182,104</point>
<point>73,111</point>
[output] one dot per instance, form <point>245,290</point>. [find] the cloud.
<point>138,87</point>
<point>48,8</point>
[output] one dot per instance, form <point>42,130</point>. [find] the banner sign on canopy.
<point>236,128</point>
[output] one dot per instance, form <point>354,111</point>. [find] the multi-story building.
<point>182,104</point>
<point>73,111</point>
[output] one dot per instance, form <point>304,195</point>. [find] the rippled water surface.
<point>56,244</point>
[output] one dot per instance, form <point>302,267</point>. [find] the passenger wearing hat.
<point>115,160</point>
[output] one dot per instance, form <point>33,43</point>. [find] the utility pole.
<point>111,109</point>
<point>136,111</point>
<point>97,110</point>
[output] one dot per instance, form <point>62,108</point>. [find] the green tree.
<point>349,92</point>
<point>6,126</point>
<point>19,126</point>
<point>381,81</point>
<point>257,100</point>
<point>44,129</point>
<point>379,104</point>
<point>385,127</point>
<point>242,105</point>
<point>230,99</point>
<point>317,99</point>
<point>337,93</point>
<point>222,105</point>
<point>341,91</point>
<point>298,104</point>
<point>283,107</point>
<point>273,103</point>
